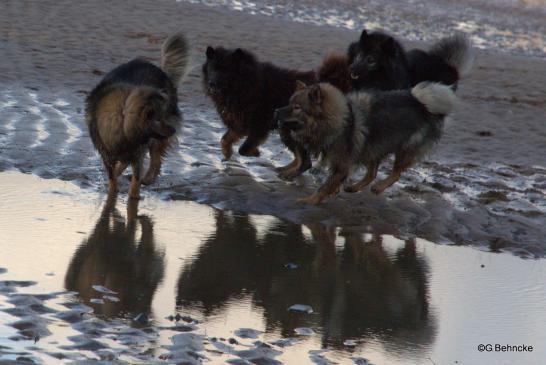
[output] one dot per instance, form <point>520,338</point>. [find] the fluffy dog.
<point>378,61</point>
<point>246,93</point>
<point>363,128</point>
<point>134,109</point>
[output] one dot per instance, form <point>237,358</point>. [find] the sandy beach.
<point>483,186</point>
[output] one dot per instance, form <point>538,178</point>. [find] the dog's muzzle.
<point>282,116</point>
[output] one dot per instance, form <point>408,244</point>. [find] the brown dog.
<point>134,109</point>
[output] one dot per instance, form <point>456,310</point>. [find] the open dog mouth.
<point>354,76</point>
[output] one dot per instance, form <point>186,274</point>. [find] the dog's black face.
<point>227,71</point>
<point>370,54</point>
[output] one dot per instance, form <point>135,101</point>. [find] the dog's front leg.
<point>250,146</point>
<point>370,176</point>
<point>158,149</point>
<point>134,188</point>
<point>330,187</point>
<point>227,141</point>
<point>302,159</point>
<point>301,163</point>
<point>112,181</point>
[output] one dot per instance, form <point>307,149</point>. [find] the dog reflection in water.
<point>118,258</point>
<point>357,288</point>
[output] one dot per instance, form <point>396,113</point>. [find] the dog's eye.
<point>371,61</point>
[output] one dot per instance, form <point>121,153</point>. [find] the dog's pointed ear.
<point>300,85</point>
<point>363,36</point>
<point>389,46</point>
<point>315,94</point>
<point>242,56</point>
<point>210,53</point>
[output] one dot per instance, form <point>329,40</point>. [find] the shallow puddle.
<point>83,276</point>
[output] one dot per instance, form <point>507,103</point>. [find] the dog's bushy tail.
<point>175,57</point>
<point>456,51</point>
<point>435,97</point>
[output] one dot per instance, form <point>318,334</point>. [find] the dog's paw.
<point>351,189</point>
<point>312,199</point>
<point>227,152</point>
<point>254,152</point>
<point>289,174</point>
<point>377,189</point>
<point>282,168</point>
<point>147,180</point>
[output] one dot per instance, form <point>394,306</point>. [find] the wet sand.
<point>483,185</point>
<point>216,286</point>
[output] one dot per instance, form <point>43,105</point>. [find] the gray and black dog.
<point>363,128</point>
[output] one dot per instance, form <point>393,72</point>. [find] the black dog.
<point>246,93</point>
<point>378,61</point>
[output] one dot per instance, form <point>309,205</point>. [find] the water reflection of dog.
<point>357,289</point>
<point>112,256</point>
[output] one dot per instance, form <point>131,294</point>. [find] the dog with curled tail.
<point>364,128</point>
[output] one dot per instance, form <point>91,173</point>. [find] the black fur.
<point>246,93</point>
<point>393,117</point>
<point>426,67</point>
<point>378,61</point>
